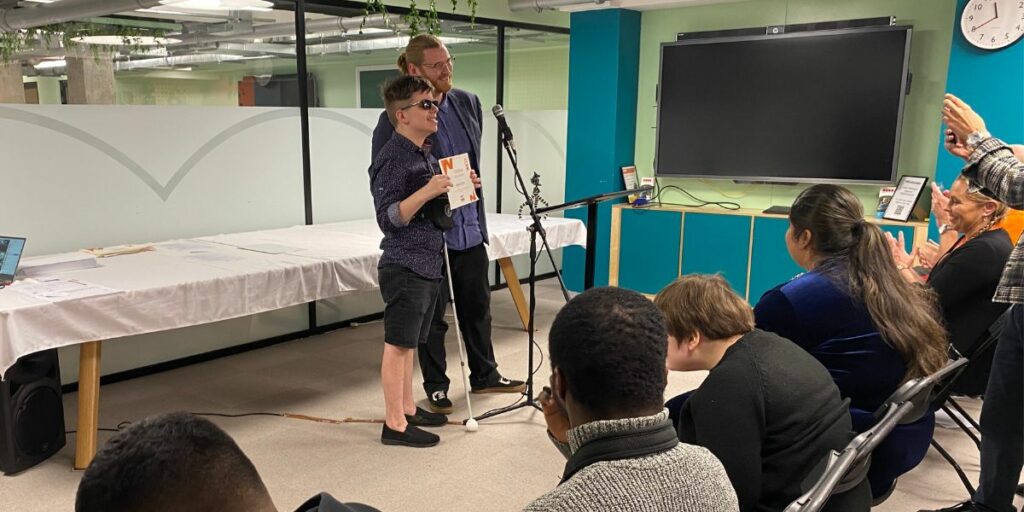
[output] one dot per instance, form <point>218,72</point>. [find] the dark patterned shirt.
<point>399,170</point>
<point>993,165</point>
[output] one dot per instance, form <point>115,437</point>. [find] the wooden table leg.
<point>509,271</point>
<point>88,403</point>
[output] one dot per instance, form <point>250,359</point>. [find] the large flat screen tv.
<point>817,106</point>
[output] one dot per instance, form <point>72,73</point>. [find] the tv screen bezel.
<point>810,33</point>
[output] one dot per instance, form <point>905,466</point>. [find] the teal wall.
<point>992,82</point>
<point>603,52</point>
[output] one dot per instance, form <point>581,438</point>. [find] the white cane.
<point>471,424</point>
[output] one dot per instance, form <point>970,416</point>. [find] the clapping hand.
<point>956,147</point>
<point>929,254</point>
<point>899,255</point>
<point>960,118</point>
<point>554,415</point>
<point>940,201</point>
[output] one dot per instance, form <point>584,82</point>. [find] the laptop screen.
<point>10,254</point>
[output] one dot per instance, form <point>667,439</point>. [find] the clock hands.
<point>991,20</point>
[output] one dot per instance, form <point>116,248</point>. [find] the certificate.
<point>463,191</point>
<point>903,200</point>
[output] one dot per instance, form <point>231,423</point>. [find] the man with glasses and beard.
<point>460,120</point>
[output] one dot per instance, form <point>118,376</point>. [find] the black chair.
<point>847,469</point>
<point>944,401</point>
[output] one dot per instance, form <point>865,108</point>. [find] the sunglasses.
<point>424,104</point>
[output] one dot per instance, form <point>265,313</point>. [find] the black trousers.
<point>1002,418</point>
<point>473,300</point>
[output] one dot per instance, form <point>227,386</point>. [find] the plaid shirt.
<point>993,165</point>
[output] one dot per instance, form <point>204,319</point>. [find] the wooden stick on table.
<point>88,403</point>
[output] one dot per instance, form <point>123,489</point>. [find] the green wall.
<point>932,21</point>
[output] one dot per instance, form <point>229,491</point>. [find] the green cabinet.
<point>770,264</point>
<point>717,244</point>
<point>648,249</point>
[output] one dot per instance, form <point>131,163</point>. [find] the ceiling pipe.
<point>540,5</point>
<point>288,29</point>
<point>177,60</point>
<point>14,19</point>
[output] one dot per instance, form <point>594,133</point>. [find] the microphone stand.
<point>535,229</point>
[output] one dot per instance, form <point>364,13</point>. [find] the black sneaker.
<point>413,436</point>
<point>439,402</point>
<point>424,418</point>
<point>501,385</point>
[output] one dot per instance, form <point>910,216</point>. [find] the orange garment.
<point>1013,224</point>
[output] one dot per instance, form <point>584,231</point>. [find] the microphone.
<point>503,129</point>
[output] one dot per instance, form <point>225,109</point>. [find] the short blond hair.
<point>978,194</point>
<point>705,304</point>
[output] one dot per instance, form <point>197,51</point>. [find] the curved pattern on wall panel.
<point>560,148</point>
<point>165,191</point>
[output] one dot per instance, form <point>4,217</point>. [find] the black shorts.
<point>409,300</point>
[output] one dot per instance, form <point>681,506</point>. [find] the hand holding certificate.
<point>463,189</point>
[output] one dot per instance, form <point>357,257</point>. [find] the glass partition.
<point>536,97</point>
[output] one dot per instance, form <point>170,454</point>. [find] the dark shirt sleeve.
<point>388,192</point>
<point>774,313</point>
<point>966,273</point>
<point>726,416</point>
<point>381,134</point>
<point>995,166</point>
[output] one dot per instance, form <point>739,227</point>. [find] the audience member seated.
<point>604,412</point>
<point>767,409</point>
<point>853,312</point>
<point>176,462</point>
<point>966,275</point>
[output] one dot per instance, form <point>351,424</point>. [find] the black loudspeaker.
<point>31,412</point>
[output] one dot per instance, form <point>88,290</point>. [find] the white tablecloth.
<point>190,282</point>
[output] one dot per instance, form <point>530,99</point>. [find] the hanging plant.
<point>418,19</point>
<point>68,35</point>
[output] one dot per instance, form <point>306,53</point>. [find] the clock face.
<point>993,24</point>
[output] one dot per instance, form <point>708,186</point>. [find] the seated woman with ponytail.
<point>853,311</point>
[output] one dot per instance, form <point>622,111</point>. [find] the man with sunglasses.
<point>460,119</point>
<point>408,197</point>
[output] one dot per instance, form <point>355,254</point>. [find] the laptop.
<point>10,255</point>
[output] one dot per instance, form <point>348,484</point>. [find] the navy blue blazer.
<point>467,105</point>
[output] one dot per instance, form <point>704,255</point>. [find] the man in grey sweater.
<point>604,412</point>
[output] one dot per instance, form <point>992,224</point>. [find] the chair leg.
<point>956,467</point>
<point>953,403</point>
<point>960,423</point>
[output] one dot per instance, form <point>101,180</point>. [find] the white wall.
<point>91,176</point>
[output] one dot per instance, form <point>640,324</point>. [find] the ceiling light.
<point>51,64</point>
<point>125,40</point>
<point>221,5</point>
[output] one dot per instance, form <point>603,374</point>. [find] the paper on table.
<point>463,191</point>
<point>55,289</point>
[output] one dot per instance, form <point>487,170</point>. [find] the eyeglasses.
<point>438,66</point>
<point>424,104</point>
